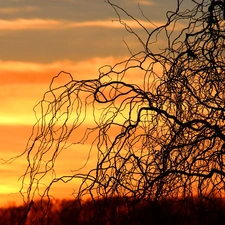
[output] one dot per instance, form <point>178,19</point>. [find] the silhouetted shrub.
<point>119,211</point>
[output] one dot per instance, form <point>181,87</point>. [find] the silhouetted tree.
<point>157,139</point>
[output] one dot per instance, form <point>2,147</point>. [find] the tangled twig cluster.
<point>162,137</point>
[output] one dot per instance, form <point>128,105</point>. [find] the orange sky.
<point>38,40</point>
<point>23,86</point>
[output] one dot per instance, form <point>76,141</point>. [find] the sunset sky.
<point>40,38</point>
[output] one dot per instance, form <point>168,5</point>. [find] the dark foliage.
<point>119,211</point>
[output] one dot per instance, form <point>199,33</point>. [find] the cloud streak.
<point>145,2</point>
<point>12,10</point>
<point>42,24</point>
<point>28,24</point>
<point>14,72</point>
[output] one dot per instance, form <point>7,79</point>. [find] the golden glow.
<point>6,189</point>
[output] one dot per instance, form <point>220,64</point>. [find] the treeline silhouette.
<point>118,211</point>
